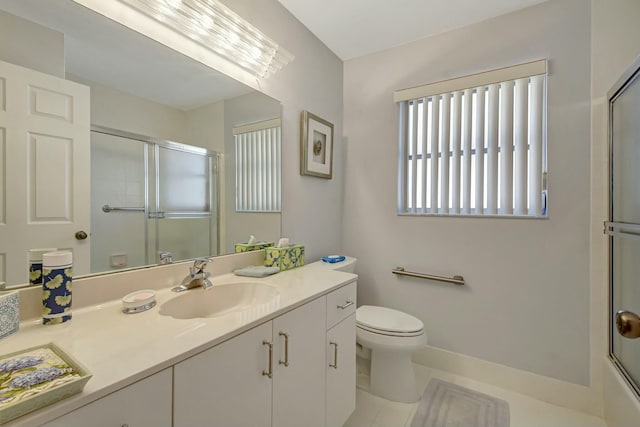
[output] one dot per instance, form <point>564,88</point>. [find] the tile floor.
<point>373,411</point>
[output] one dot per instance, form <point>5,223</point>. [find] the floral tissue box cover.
<point>9,314</point>
<point>33,378</point>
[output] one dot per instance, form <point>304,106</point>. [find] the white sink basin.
<point>220,300</point>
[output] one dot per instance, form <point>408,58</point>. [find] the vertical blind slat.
<point>535,143</point>
<point>278,169</point>
<point>268,196</point>
<point>455,157</point>
<point>479,147</point>
<point>520,142</point>
<point>403,124</point>
<point>414,158</point>
<point>492,150</point>
<point>466,151</point>
<point>506,148</point>
<point>444,141</point>
<point>435,149</point>
<point>423,160</point>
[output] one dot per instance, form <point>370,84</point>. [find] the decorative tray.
<point>36,377</point>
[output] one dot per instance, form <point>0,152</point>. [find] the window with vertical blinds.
<point>475,145</point>
<point>258,167</point>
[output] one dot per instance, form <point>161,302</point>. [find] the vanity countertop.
<point>120,349</point>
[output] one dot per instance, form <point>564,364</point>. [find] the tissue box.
<point>284,258</point>
<point>245,247</point>
<point>9,314</point>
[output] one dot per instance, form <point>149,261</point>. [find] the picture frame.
<point>316,146</point>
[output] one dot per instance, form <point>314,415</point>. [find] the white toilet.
<point>392,336</point>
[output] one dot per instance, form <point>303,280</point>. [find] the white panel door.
<point>145,403</point>
<point>44,168</point>
<point>299,360</point>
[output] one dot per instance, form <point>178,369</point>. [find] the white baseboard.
<point>621,407</point>
<point>547,389</point>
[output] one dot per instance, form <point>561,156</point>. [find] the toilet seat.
<point>387,321</point>
<point>390,334</point>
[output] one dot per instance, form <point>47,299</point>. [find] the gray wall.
<point>526,302</point>
<point>31,45</point>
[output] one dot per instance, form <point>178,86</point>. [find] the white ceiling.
<point>353,28</point>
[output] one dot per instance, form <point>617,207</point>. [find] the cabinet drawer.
<point>341,303</point>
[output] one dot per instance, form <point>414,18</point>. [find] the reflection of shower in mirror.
<point>161,197</point>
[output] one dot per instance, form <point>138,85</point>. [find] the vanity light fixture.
<point>219,29</point>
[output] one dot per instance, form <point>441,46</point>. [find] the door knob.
<point>628,324</point>
<point>81,235</point>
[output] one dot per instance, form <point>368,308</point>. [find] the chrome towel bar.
<point>456,280</point>
<point>107,208</point>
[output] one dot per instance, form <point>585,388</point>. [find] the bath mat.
<point>448,405</point>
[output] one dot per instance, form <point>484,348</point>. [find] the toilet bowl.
<point>392,336</point>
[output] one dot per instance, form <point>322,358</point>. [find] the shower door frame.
<point>628,77</point>
<point>151,151</point>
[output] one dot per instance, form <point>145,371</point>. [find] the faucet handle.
<point>199,264</point>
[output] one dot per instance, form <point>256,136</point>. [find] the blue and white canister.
<point>35,265</point>
<point>57,268</point>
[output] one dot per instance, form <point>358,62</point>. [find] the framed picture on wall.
<point>316,146</point>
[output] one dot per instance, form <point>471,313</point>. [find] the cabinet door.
<point>341,371</point>
<point>145,403</point>
<point>299,386</point>
<point>225,385</point>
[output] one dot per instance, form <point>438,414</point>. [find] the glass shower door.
<point>118,202</point>
<point>185,201</point>
<point>624,226</point>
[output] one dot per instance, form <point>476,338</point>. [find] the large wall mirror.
<point>165,131</point>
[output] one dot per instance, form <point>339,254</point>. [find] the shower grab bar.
<point>456,280</point>
<point>107,209</point>
<point>622,229</point>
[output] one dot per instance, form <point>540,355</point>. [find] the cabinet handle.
<point>269,373</point>
<point>347,304</point>
<point>335,355</point>
<point>286,349</point>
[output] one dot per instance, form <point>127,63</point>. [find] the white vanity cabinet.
<point>270,375</point>
<point>297,369</point>
<point>142,404</point>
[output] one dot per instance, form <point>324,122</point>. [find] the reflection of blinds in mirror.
<point>258,167</point>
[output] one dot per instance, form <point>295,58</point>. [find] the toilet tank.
<point>348,265</point>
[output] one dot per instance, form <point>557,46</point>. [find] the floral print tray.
<point>36,377</point>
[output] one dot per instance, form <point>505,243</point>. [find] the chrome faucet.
<point>166,257</point>
<point>197,276</point>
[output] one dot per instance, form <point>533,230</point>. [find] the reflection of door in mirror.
<point>150,197</point>
<point>44,124</point>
